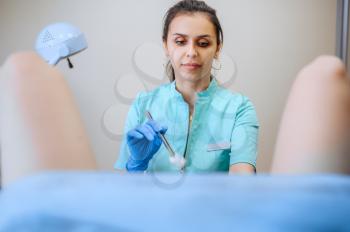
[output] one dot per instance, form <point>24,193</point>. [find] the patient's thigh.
<point>40,126</point>
<point>315,127</point>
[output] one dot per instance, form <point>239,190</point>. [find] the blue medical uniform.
<point>223,131</point>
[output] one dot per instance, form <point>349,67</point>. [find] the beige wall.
<point>265,44</point>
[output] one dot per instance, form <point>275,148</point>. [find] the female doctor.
<point>211,127</point>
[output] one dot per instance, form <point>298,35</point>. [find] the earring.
<point>165,62</point>
<point>217,65</point>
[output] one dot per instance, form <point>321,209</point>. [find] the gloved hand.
<point>143,142</point>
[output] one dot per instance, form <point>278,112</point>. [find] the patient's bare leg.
<point>39,122</point>
<point>314,134</point>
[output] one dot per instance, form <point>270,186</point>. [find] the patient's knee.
<point>23,63</point>
<point>28,71</point>
<point>324,68</point>
<point>331,65</point>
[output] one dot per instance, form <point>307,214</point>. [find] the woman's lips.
<point>191,66</point>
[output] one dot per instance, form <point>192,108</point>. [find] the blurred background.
<point>266,43</point>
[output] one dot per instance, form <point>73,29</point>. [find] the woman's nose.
<point>191,51</point>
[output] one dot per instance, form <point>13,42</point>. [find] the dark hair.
<point>189,7</point>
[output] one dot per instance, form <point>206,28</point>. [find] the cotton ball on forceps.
<point>177,160</point>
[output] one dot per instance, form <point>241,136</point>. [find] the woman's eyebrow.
<point>179,34</point>
<point>204,36</point>
<point>199,36</point>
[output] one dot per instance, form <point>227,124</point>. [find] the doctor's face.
<point>191,46</point>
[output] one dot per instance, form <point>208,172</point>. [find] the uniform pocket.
<point>219,146</point>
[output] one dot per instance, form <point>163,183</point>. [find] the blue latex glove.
<point>143,142</point>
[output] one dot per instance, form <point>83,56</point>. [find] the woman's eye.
<point>180,42</point>
<point>203,44</point>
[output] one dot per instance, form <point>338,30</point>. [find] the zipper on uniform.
<point>188,134</point>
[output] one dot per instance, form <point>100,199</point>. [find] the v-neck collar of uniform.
<point>200,95</point>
